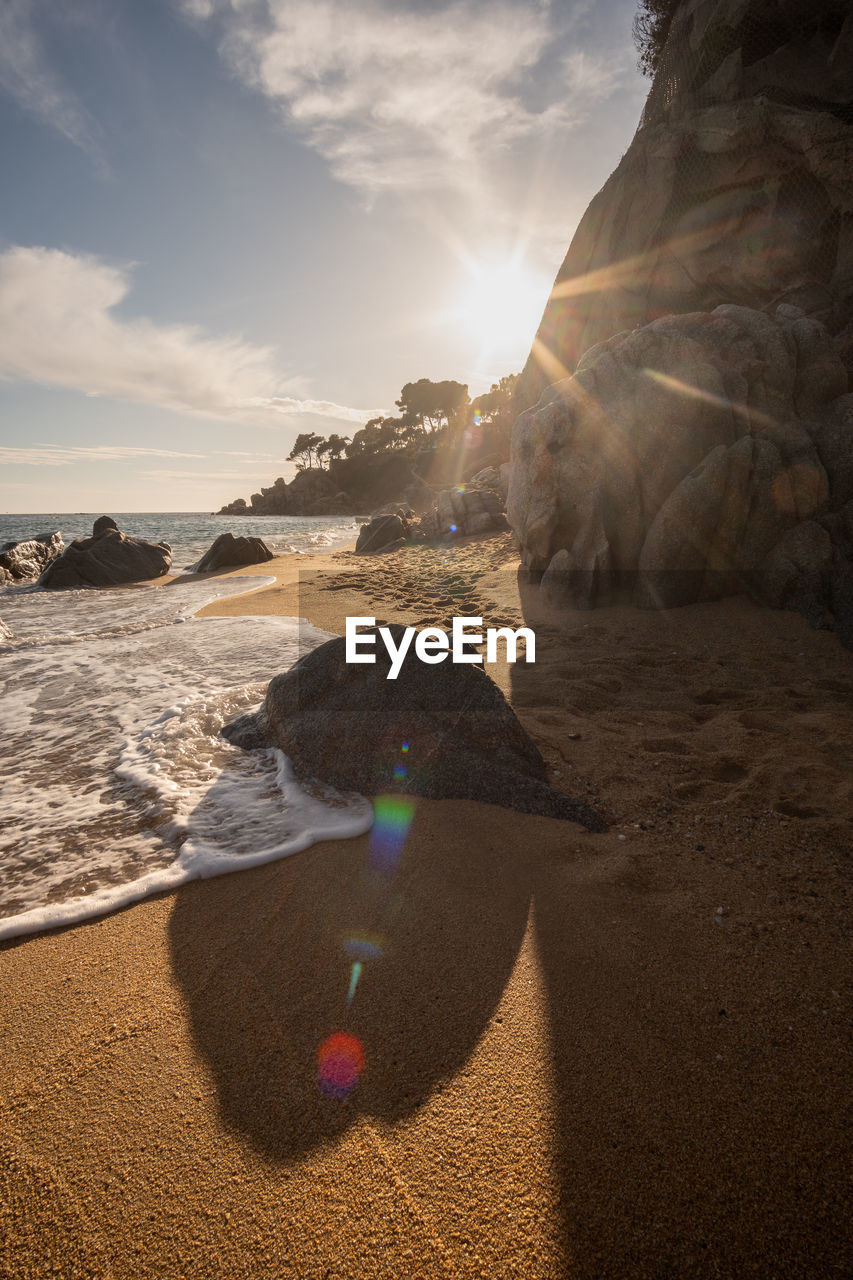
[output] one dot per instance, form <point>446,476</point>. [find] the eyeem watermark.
<point>434,645</point>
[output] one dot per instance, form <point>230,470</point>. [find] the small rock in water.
<point>229,552</point>
<point>109,558</point>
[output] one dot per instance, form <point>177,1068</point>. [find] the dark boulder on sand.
<point>230,552</point>
<point>20,561</point>
<point>442,731</point>
<point>107,559</point>
<point>102,523</point>
<point>382,533</point>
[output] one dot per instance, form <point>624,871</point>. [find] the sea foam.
<point>116,784</point>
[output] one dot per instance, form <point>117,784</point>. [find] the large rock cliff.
<point>694,433</point>
<point>737,187</point>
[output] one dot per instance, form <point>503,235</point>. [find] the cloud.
<point>58,325</point>
<point>246,478</point>
<point>323,408</point>
<point>27,76</point>
<point>407,99</point>
<point>49,455</point>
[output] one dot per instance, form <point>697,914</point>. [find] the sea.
<point>114,781</point>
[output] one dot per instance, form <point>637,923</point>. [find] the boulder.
<point>382,533</point>
<point>20,561</point>
<point>230,552</point>
<point>737,186</point>
<point>488,478</point>
<point>102,523</point>
<point>462,511</point>
<point>401,509</point>
<point>107,559</point>
<point>677,460</point>
<point>440,730</point>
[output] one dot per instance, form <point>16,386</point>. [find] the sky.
<point>225,222</point>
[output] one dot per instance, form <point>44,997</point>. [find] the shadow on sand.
<point>693,1138</point>
<point>266,962</point>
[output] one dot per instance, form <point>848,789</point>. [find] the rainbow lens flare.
<point>340,1062</point>
<point>364,946</point>
<point>353,981</point>
<point>392,818</point>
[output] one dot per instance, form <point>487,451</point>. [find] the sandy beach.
<point>600,1056</point>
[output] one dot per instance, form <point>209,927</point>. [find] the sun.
<point>500,304</point>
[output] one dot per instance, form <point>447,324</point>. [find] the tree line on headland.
<point>439,436</point>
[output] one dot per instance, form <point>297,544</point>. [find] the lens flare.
<point>340,1062</point>
<point>392,818</point>
<point>364,946</point>
<point>353,982</point>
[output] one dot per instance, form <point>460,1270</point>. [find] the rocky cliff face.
<point>737,187</point>
<point>701,455</point>
<point>694,435</point>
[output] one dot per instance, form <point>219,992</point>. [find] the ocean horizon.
<point>190,533</point>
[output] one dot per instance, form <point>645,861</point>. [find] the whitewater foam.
<point>116,783</point>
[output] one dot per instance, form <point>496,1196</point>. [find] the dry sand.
<point>576,1065</point>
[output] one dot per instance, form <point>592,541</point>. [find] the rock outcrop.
<point>102,523</point>
<point>465,509</point>
<point>311,492</point>
<point>440,731</point>
<point>737,187</point>
<point>382,533</point>
<point>698,456</point>
<point>228,552</point>
<point>107,559</point>
<point>21,561</point>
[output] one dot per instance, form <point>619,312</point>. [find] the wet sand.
<point>614,1055</point>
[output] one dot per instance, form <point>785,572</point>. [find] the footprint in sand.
<point>760,721</point>
<point>670,746</point>
<point>713,697</point>
<point>790,809</point>
<point>835,686</point>
<point>703,715</point>
<point>728,769</point>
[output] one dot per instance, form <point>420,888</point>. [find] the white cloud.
<point>396,98</point>
<point>323,408</point>
<point>27,76</point>
<point>58,325</point>
<point>248,479</point>
<point>49,455</point>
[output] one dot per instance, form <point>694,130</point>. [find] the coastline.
<point>575,1064</point>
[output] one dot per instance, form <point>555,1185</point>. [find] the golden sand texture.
<point>577,1065</point>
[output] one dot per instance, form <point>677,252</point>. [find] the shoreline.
<point>575,1064</point>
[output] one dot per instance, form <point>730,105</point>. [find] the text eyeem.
<point>434,645</point>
